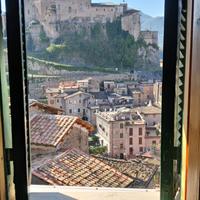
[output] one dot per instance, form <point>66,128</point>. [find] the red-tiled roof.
<point>136,169</point>
<point>49,130</point>
<point>75,168</point>
<point>44,107</point>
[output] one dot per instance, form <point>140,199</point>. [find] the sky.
<point>153,8</point>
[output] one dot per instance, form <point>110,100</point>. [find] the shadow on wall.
<point>49,196</point>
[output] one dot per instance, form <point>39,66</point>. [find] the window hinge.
<point>9,157</point>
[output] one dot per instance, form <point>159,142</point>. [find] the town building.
<point>147,90</point>
<point>36,107</point>
<point>121,88</point>
<point>152,139</point>
<point>138,97</point>
<point>50,94</point>
<point>52,133</point>
<point>122,132</point>
<point>77,103</point>
<point>157,92</point>
<point>117,101</point>
<point>89,85</point>
<point>109,86</point>
<point>151,114</point>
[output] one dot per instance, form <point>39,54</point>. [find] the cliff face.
<point>148,58</point>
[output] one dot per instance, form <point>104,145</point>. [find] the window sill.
<point>38,192</point>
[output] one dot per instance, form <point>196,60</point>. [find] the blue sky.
<point>150,7</point>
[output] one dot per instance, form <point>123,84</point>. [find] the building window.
<point>154,142</point>
<point>121,125</point>
<point>130,131</point>
<point>70,9</point>
<point>147,133</point>
<point>79,110</point>
<point>57,100</point>
<point>130,141</point>
<point>51,101</point>
<point>121,135</point>
<point>80,101</point>
<point>140,131</point>
<point>141,149</point>
<point>131,150</point>
<point>140,140</point>
<point>121,146</point>
<point>70,110</point>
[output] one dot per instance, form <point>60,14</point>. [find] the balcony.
<point>41,192</point>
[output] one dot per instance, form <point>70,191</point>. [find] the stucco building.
<point>52,133</point>
<point>122,132</point>
<point>157,92</point>
<point>89,85</point>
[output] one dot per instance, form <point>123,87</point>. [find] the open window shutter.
<point>173,97</point>
<point>6,139</point>
<point>18,96</point>
<point>180,79</point>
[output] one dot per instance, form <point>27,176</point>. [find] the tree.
<point>98,150</point>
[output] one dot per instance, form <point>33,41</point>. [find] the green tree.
<point>98,150</point>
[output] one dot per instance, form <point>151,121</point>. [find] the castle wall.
<point>58,16</point>
<point>131,23</point>
<point>53,15</point>
<point>150,37</point>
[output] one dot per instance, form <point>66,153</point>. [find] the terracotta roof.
<point>137,169</point>
<point>75,168</point>
<point>49,130</point>
<point>68,84</point>
<point>77,93</point>
<point>44,107</point>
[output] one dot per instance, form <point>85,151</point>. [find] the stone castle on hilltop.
<point>57,16</point>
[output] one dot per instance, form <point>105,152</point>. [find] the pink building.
<point>122,132</point>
